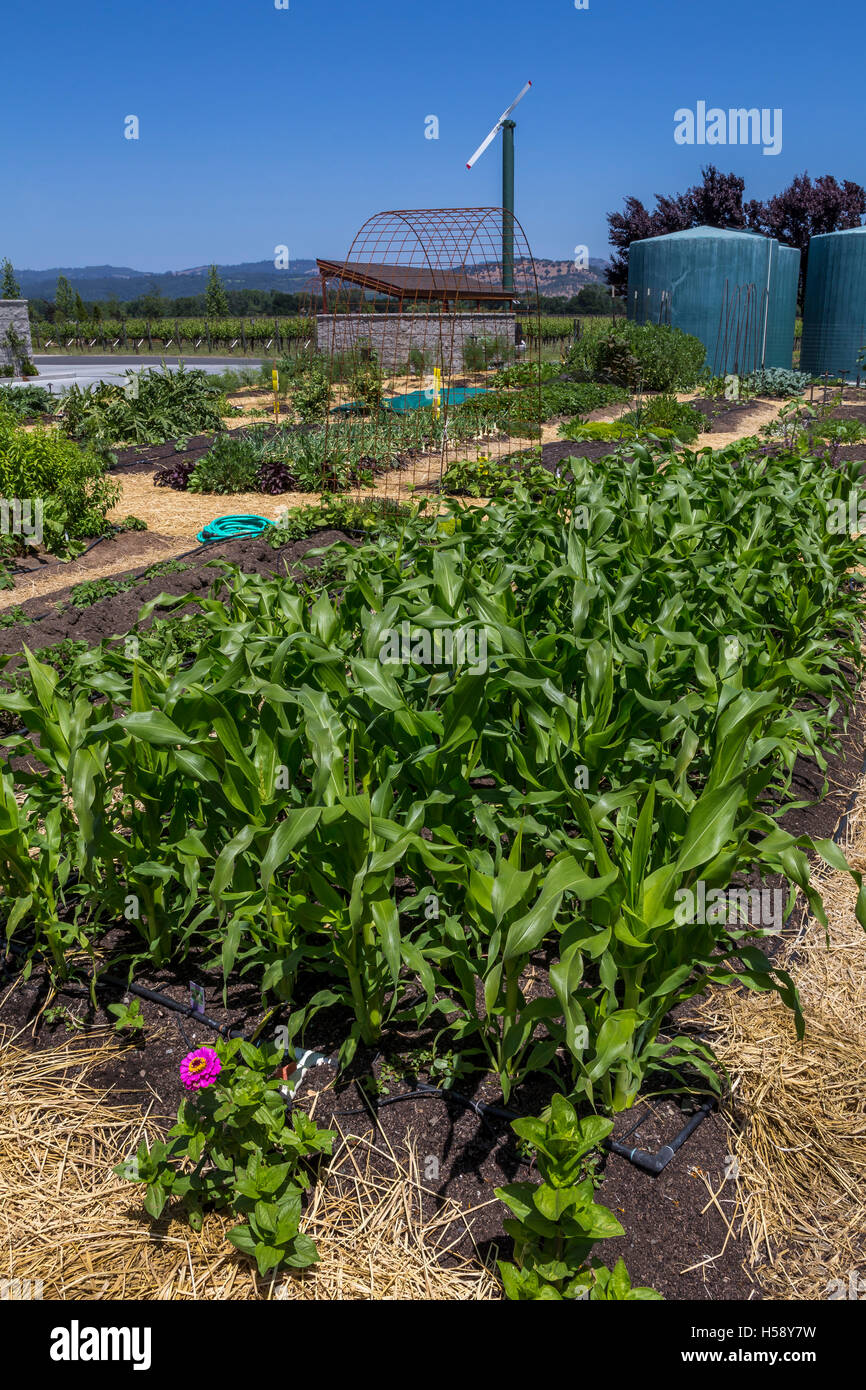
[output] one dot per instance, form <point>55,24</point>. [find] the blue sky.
<point>261,127</point>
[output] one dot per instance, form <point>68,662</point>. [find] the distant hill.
<point>122,282</point>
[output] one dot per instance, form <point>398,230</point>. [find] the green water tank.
<point>736,291</point>
<point>834,312</point>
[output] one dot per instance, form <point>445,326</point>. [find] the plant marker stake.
<point>196,998</point>
<point>275,382</point>
<point>437,391</point>
<point>304,1061</point>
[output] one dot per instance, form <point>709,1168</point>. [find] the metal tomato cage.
<point>415,322</point>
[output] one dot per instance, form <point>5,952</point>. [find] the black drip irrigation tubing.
<point>649,1162</point>
<point>52,564</point>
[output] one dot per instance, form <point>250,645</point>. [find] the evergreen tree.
<point>64,300</point>
<point>10,288</point>
<point>80,308</point>
<point>216,303</point>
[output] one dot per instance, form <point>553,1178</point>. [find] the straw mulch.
<point>801,1107</point>
<point>66,1220</point>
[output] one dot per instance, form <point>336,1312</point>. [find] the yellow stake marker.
<point>437,390</point>
<point>275,382</point>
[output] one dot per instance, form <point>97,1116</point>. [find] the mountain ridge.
<point>101,282</point>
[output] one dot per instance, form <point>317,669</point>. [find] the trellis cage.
<point>650,305</point>
<point>741,339</point>
<point>417,327</point>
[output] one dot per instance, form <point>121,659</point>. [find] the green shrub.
<point>479,353</point>
<point>367,384</point>
<point>666,412</point>
<point>75,492</point>
<point>152,408</point>
<point>231,465</point>
<point>22,402</point>
<point>653,356</point>
<point>311,395</point>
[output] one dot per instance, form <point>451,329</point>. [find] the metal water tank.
<point>736,291</point>
<point>834,312</point>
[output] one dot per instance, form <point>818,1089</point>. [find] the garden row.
<point>501,743</point>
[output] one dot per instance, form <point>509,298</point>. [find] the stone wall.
<point>391,336</point>
<point>14,313</point>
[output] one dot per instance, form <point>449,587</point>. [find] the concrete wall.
<point>391,336</point>
<point>14,313</point>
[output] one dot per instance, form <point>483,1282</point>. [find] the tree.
<point>800,211</point>
<point>805,209</point>
<point>595,299</point>
<point>64,300</point>
<point>715,202</point>
<point>216,303</point>
<point>10,288</point>
<point>150,303</point>
<point>80,309</point>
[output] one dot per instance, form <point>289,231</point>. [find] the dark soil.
<point>115,615</point>
<point>142,457</point>
<point>462,1156</point>
<point>723,417</point>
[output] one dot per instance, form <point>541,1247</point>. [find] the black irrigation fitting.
<point>649,1162</point>
<point>655,1163</point>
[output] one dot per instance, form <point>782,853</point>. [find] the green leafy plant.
<point>776,381</point>
<point>666,412</point>
<point>311,395</point>
<point>153,407</point>
<point>70,482</point>
<point>127,1016</point>
<point>235,1147</point>
<point>556,1222</point>
<point>653,356</point>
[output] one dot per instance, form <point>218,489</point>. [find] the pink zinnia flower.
<point>200,1068</point>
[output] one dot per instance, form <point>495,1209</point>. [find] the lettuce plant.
<point>556,1222</point>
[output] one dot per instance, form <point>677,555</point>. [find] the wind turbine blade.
<point>518,98</point>
<point>496,129</point>
<point>481,148</point>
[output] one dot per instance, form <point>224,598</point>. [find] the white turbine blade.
<point>518,98</point>
<point>481,148</point>
<point>496,129</point>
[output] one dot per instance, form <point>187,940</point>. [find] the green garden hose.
<point>226,528</point>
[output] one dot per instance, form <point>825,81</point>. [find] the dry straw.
<point>69,1222</point>
<point>801,1106</point>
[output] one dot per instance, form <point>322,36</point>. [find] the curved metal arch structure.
<point>415,324</point>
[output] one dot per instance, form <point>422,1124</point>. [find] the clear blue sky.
<point>262,126</point>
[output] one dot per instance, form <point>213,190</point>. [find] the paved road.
<point>58,371</point>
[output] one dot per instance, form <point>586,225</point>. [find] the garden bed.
<point>674,1238</point>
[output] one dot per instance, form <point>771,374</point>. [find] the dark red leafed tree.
<point>807,208</point>
<point>715,202</point>
<point>802,210</point>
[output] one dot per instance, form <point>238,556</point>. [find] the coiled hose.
<point>226,528</point>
